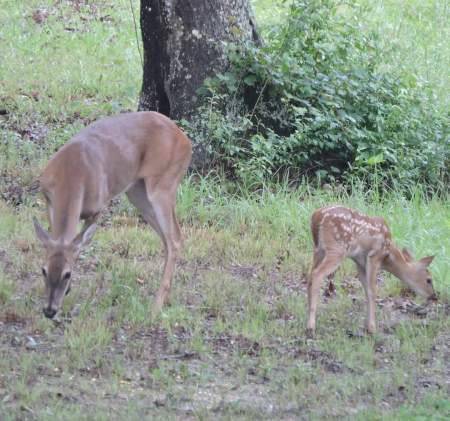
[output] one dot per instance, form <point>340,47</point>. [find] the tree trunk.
<point>183,44</point>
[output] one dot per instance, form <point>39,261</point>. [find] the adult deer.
<point>143,154</point>
<point>339,232</point>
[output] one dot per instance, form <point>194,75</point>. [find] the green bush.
<point>313,100</point>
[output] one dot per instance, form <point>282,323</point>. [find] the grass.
<point>233,338</point>
<point>231,344</point>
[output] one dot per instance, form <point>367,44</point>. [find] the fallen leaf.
<point>40,15</point>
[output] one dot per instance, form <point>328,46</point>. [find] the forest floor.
<point>232,342</point>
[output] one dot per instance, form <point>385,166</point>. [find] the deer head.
<point>57,270</point>
<point>417,276</point>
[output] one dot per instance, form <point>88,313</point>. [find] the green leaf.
<point>376,159</point>
<point>250,80</point>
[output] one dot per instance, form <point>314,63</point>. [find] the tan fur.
<point>143,154</point>
<point>339,232</point>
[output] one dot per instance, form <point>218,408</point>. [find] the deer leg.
<point>327,266</point>
<point>318,256</point>
<point>137,195</point>
<point>362,276</point>
<point>171,236</point>
<point>163,205</point>
<point>159,212</point>
<point>370,285</point>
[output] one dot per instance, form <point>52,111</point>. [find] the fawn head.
<point>57,269</point>
<point>419,278</point>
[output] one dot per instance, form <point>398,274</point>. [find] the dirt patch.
<point>35,132</point>
<point>322,359</point>
<point>12,318</point>
<point>15,191</point>
<point>245,272</point>
<point>236,343</point>
<point>6,262</point>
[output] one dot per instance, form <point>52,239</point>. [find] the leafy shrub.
<point>314,101</point>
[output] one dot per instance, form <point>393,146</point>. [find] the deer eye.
<point>44,272</point>
<point>429,281</point>
<point>67,276</point>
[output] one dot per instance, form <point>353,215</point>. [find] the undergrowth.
<point>316,100</point>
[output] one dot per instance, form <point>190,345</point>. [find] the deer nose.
<point>49,312</point>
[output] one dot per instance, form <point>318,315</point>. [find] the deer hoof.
<point>370,330</point>
<point>310,333</point>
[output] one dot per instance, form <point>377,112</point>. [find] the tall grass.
<point>278,213</point>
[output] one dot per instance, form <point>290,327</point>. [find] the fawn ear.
<point>426,261</point>
<point>84,237</point>
<point>41,234</point>
<point>407,255</point>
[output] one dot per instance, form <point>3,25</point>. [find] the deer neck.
<point>64,212</point>
<point>396,264</point>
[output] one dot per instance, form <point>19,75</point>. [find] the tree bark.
<point>184,44</point>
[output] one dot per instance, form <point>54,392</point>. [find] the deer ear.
<point>84,237</point>
<point>41,234</point>
<point>407,255</point>
<point>426,261</point>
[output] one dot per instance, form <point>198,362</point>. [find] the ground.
<point>231,344</point>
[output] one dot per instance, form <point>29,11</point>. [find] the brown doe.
<point>339,232</point>
<point>143,154</point>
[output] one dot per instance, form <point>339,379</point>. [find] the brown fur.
<point>143,154</point>
<point>339,232</point>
